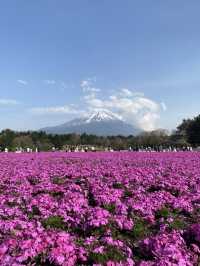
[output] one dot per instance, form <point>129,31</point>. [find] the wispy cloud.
<point>23,82</point>
<point>63,84</point>
<point>163,105</point>
<point>8,102</point>
<point>87,85</point>
<point>50,81</point>
<point>66,109</point>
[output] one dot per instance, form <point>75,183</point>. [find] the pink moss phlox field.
<point>109,209</point>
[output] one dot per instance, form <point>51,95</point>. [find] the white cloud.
<point>133,107</point>
<point>66,109</point>
<point>130,105</point>
<point>126,92</point>
<point>93,102</point>
<point>49,81</point>
<point>23,82</point>
<point>8,102</point>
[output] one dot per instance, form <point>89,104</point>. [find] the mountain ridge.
<point>100,123</point>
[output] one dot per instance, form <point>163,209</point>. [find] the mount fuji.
<point>100,123</point>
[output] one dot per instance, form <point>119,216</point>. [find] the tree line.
<point>186,134</point>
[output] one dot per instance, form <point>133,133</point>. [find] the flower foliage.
<point>114,209</point>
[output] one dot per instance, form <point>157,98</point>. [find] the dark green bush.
<point>162,213</point>
<point>117,185</point>
<point>111,253</point>
<point>55,222</point>
<point>110,207</point>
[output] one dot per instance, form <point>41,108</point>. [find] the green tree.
<point>6,139</point>
<point>193,131</point>
<point>24,141</point>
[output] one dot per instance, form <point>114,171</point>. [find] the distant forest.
<point>186,134</point>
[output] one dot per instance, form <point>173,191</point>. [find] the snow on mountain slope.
<point>102,116</point>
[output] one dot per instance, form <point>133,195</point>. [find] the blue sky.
<point>62,59</point>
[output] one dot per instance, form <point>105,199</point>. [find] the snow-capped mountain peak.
<point>99,116</point>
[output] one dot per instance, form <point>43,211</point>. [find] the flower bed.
<point>100,209</point>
